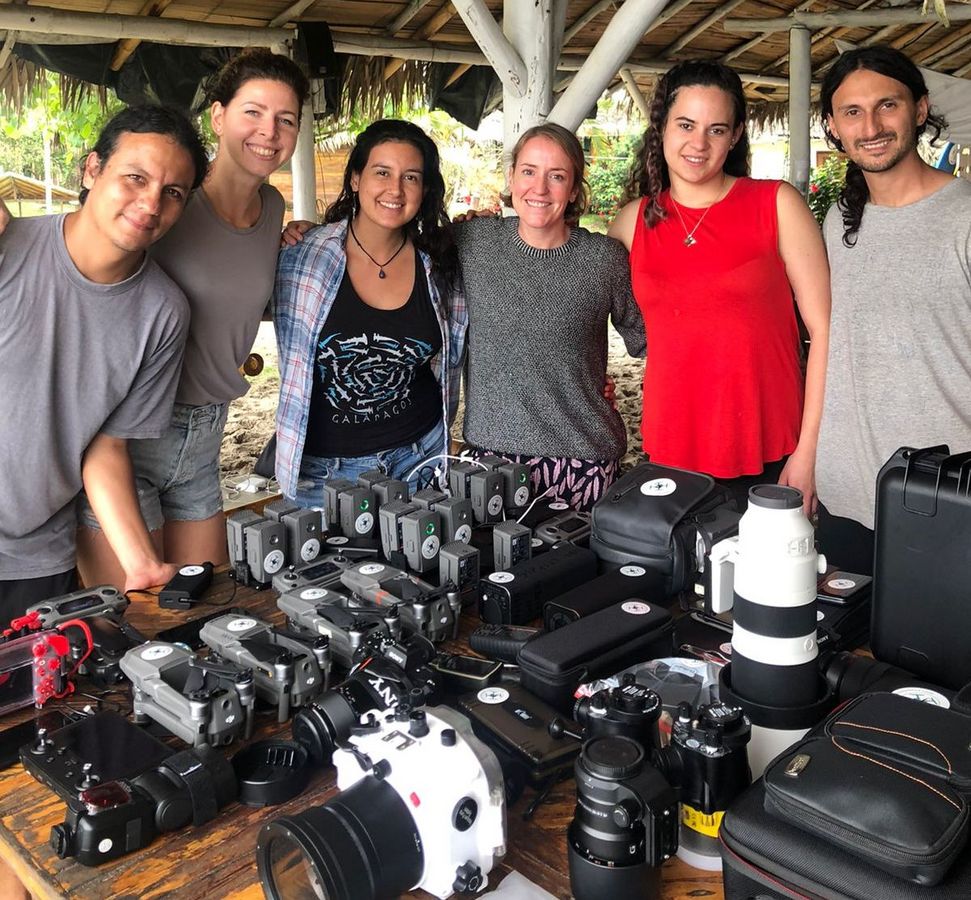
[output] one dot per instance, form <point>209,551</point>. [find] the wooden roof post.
<point>800,80</point>
<point>615,45</point>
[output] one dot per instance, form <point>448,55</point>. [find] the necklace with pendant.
<point>381,272</point>
<point>689,236</point>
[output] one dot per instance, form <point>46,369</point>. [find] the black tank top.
<point>373,386</point>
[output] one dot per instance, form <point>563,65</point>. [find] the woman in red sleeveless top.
<point>716,259</point>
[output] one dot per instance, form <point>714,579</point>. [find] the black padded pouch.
<point>554,664</point>
<point>926,739</point>
<point>884,779</point>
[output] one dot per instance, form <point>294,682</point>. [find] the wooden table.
<point>218,860</point>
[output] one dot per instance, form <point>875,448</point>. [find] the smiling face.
<point>542,183</point>
<point>390,188</point>
<point>876,120</point>
<point>699,132</point>
<point>137,194</point>
<point>258,128</point>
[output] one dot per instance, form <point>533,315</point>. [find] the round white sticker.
<point>635,608</point>
<point>105,844</point>
<point>310,550</point>
<point>494,505</point>
<point>313,594</point>
<point>820,615</point>
<point>371,569</point>
<point>924,695</point>
<point>658,487</point>
<point>725,649</point>
<point>633,571</point>
<point>159,651</point>
<point>338,540</point>
<point>273,562</point>
<point>536,542</point>
<point>841,584</point>
<point>191,570</point>
<point>241,624</point>
<point>501,577</point>
<point>463,533</point>
<point>493,695</point>
<point>364,523</point>
<point>559,506</point>
<point>429,547</point>
<point>521,497</point>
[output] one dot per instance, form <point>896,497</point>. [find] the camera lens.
<point>361,845</point>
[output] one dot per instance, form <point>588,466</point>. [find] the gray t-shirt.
<point>899,369</point>
<point>76,359</point>
<point>538,340</point>
<point>227,275</point>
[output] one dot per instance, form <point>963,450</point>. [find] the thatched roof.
<point>685,29</point>
<point>19,187</point>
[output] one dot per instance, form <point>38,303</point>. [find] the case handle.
<point>914,459</point>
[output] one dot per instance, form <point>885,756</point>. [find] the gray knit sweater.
<point>538,340</point>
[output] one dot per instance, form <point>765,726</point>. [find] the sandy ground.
<point>251,417</point>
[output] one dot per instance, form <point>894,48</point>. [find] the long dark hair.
<point>648,175</point>
<point>892,64</point>
<point>430,231</point>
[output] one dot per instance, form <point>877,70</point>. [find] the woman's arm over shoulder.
<point>804,255</point>
<point>625,314</point>
<point>622,228</point>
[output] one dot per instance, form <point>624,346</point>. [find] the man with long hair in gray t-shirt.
<point>900,339</point>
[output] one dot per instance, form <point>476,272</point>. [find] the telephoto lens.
<point>707,760</point>
<point>850,675</point>
<point>625,824</point>
<point>422,805</point>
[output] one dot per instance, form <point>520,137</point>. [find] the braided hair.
<point>892,64</point>
<point>648,175</point>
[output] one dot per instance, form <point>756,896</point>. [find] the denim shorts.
<point>404,463</point>
<point>177,474</point>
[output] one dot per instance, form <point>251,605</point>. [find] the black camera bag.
<point>650,516</point>
<point>554,664</point>
<point>872,803</point>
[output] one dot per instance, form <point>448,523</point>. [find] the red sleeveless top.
<point>723,386</point>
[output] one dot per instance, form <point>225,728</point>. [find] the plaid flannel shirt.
<point>307,278</point>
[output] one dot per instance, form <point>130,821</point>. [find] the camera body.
<point>108,820</point>
<point>388,672</point>
<point>630,709</point>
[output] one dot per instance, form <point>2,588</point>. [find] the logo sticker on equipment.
<point>535,542</point>
<point>153,653</point>
<point>310,550</point>
<point>658,487</point>
<point>495,505</point>
<point>429,547</point>
<point>635,608</point>
<point>363,523</point>
<point>191,570</point>
<point>371,569</point>
<point>841,584</point>
<point>313,594</point>
<point>274,562</point>
<point>924,695</point>
<point>241,625</point>
<point>632,571</point>
<point>501,577</point>
<point>559,506</point>
<point>463,533</point>
<point>521,497</point>
<point>725,649</point>
<point>493,695</point>
<point>338,540</point>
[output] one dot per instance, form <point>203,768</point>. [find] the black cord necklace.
<point>381,273</point>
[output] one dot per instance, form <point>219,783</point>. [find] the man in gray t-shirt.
<point>91,339</point>
<point>899,245</point>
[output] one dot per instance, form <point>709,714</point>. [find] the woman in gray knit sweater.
<point>540,291</point>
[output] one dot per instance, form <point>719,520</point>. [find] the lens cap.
<point>271,772</point>
<point>612,756</point>
<point>775,496</point>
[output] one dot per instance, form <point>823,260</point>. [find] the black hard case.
<point>921,618</point>
<point>554,664</point>
<point>655,529</point>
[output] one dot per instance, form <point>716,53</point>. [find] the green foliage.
<point>825,186</point>
<point>607,174</point>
